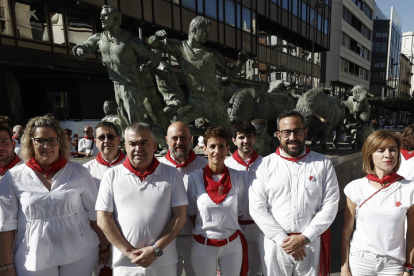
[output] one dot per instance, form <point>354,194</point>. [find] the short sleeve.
<point>179,195</point>
<point>191,193</point>
<point>9,206</point>
<point>89,195</point>
<point>352,192</point>
<point>105,200</point>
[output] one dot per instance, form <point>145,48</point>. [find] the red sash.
<point>86,137</point>
<point>239,160</point>
<point>293,159</point>
<point>102,161</point>
<point>10,165</point>
<point>217,191</point>
<point>151,169</point>
<point>191,157</point>
<point>407,154</point>
<point>34,165</point>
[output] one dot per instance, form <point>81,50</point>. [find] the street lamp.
<point>314,21</point>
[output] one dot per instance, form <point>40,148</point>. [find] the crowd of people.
<point>130,213</point>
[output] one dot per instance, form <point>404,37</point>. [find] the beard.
<point>293,152</point>
<point>180,154</point>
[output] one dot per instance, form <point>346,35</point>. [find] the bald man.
<point>87,146</point>
<point>181,156</point>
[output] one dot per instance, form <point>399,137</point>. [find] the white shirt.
<point>142,210</point>
<point>380,221</point>
<point>198,163</point>
<point>17,148</point>
<point>288,197</point>
<point>53,227</point>
<point>97,170</point>
<point>85,146</point>
<point>215,221</point>
<point>249,176</point>
<point>406,168</point>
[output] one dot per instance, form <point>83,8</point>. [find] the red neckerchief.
<point>191,157</point>
<point>217,191</point>
<point>154,165</point>
<point>239,160</point>
<point>86,137</point>
<point>391,178</point>
<point>10,165</point>
<point>14,138</point>
<point>34,165</point>
<point>293,159</point>
<point>118,160</point>
<point>407,154</point>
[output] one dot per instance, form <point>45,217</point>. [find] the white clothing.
<point>97,170</point>
<point>380,221</point>
<point>229,257</point>
<point>215,221</point>
<point>21,162</point>
<point>406,168</point>
<point>85,146</point>
<point>184,243</point>
<point>53,226</point>
<point>168,270</point>
<point>17,148</point>
<point>365,263</point>
<point>142,210</point>
<point>252,234</point>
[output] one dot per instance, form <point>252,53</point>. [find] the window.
<point>238,16</point>
<point>6,26</point>
<point>211,9</point>
<point>221,13</point>
<point>285,4</point>
<point>79,26</point>
<point>247,23</point>
<point>189,4</point>
<point>295,7</point>
<point>56,20</point>
<point>230,12</point>
<point>31,20</point>
<point>304,12</point>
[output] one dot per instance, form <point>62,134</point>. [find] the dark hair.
<point>241,126</point>
<point>6,129</point>
<point>408,138</point>
<point>68,131</point>
<point>213,132</point>
<point>138,127</point>
<point>107,124</point>
<point>290,113</point>
<point>5,120</point>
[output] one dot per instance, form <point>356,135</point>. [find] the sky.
<point>404,8</point>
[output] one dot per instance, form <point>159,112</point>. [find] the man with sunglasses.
<point>294,200</point>
<point>87,145</point>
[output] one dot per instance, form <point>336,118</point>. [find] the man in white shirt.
<point>141,208</point>
<point>107,141</point>
<point>8,158</point>
<point>87,146</point>
<point>294,200</point>
<point>246,160</point>
<point>181,156</point>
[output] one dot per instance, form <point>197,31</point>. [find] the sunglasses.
<point>108,136</point>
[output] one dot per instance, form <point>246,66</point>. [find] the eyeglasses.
<point>86,131</point>
<point>296,132</point>
<point>108,136</point>
<point>42,142</point>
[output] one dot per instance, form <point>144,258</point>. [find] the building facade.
<point>407,49</point>
<point>404,85</point>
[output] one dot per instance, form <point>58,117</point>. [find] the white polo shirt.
<point>84,145</point>
<point>215,221</point>
<point>142,210</point>
<point>53,227</point>
<point>197,163</point>
<point>380,221</point>
<point>97,170</point>
<point>294,197</point>
<point>249,176</point>
<point>407,168</point>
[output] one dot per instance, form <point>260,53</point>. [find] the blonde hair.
<point>27,150</point>
<point>375,141</point>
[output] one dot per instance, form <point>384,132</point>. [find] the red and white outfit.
<point>53,227</point>
<point>17,147</point>
<point>251,231</point>
<point>98,166</point>
<point>379,238</point>
<point>291,196</point>
<point>142,210</point>
<point>185,237</point>
<point>85,145</point>
<point>216,220</point>
<point>407,164</point>
<point>15,161</point>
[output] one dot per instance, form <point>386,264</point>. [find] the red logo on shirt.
<point>398,204</point>
<point>310,178</point>
<point>220,190</point>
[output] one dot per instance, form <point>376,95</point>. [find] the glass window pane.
<point>304,12</point>
<point>295,7</point>
<point>246,20</point>
<point>211,9</point>
<point>221,10</point>
<point>200,6</point>
<point>188,4</point>
<point>6,26</point>
<point>230,12</point>
<point>31,20</point>
<point>79,26</point>
<point>238,17</point>
<point>56,20</point>
<point>285,4</point>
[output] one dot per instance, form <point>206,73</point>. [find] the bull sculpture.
<point>323,114</point>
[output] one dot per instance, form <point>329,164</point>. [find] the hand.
<point>243,56</point>
<point>345,271</point>
<point>88,155</point>
<point>80,52</point>
<point>146,256</point>
<point>161,34</point>
<point>105,258</point>
<point>293,244</point>
<point>300,255</point>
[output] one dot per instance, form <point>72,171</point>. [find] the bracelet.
<point>104,251</point>
<point>408,268</point>
<point>6,266</point>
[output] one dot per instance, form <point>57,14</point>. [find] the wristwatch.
<point>306,239</point>
<point>158,251</point>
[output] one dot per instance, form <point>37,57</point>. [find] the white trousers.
<point>367,263</point>
<point>252,233</point>
<point>276,262</point>
<point>82,267</point>
<point>205,257</point>
<point>168,270</point>
<point>184,243</point>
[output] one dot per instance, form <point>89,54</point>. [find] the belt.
<point>246,222</point>
<point>202,240</point>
